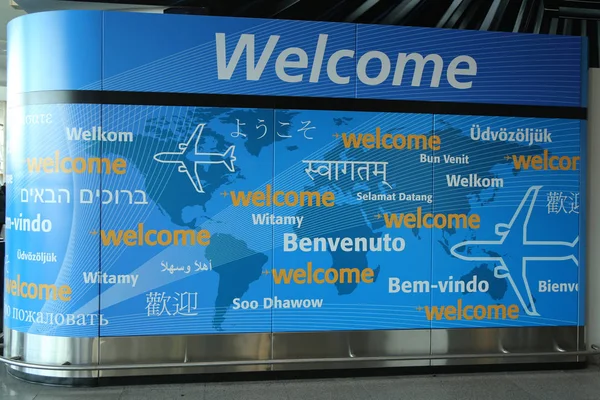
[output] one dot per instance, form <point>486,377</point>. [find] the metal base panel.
<point>460,345</point>
<point>506,341</point>
<point>352,344</point>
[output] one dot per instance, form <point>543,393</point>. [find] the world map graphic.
<point>236,275</point>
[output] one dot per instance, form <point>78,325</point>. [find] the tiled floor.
<point>553,385</point>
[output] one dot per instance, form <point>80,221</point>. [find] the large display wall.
<point>177,175</point>
<point>210,220</point>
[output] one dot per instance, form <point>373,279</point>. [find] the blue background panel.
<point>351,305</point>
<point>511,69</point>
<point>196,168</point>
<point>152,289</point>
<point>55,51</point>
<point>174,292</point>
<point>176,53</point>
<point>56,197</point>
<point>552,219</point>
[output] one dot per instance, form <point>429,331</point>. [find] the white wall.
<point>593,211</point>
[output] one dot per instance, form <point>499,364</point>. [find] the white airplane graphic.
<point>498,251</point>
<point>190,159</point>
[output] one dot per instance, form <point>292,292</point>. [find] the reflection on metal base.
<point>351,344</point>
<point>508,340</point>
<point>164,349</point>
<point>37,349</point>
<point>289,351</point>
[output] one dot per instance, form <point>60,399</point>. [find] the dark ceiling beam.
<point>332,11</point>
<point>567,26</point>
<point>553,30</point>
<point>494,15</point>
<point>532,15</point>
<point>283,6</point>
<point>539,18</point>
<point>363,8</point>
<point>244,10</point>
<point>596,44</point>
<point>470,15</point>
<point>521,20</point>
<point>593,4</point>
<point>33,6</point>
<point>551,5</point>
<point>400,12</point>
<point>449,12</point>
<point>466,9</point>
<point>580,13</point>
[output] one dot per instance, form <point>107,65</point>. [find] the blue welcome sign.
<point>198,175</point>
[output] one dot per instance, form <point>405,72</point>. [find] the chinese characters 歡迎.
<point>159,303</point>
<point>568,203</point>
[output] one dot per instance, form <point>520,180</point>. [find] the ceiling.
<point>562,17</point>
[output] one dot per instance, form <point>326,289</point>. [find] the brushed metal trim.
<point>198,354</point>
<point>184,349</point>
<point>352,344</point>
<point>53,350</point>
<point>100,367</point>
<point>535,340</point>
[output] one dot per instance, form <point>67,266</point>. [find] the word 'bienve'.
<point>519,135</point>
<point>292,63</point>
